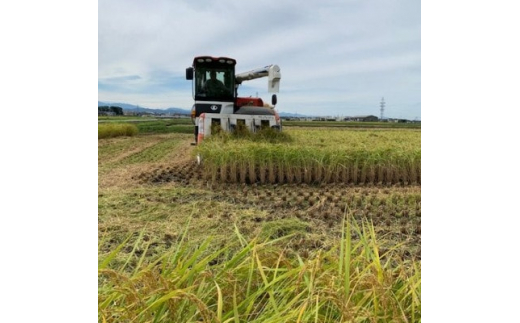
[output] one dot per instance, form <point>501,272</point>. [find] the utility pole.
<point>382,104</point>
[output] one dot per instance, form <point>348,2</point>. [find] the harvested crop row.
<point>316,156</point>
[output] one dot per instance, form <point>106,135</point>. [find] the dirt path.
<point>114,172</point>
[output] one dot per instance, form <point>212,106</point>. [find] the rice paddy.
<point>318,225</point>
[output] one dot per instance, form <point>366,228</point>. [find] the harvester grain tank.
<point>215,91</point>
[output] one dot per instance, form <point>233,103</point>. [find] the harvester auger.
<point>215,91</point>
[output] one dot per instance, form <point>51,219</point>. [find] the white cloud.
<point>330,52</point>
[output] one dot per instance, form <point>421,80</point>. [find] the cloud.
<point>331,53</point>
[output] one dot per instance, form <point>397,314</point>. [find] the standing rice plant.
<point>223,175</point>
<point>111,130</point>
<point>289,172</point>
<point>390,170</point>
<point>344,170</point>
<point>332,171</point>
<point>371,163</point>
<point>244,161</point>
<point>215,174</point>
<point>354,171</point>
<point>233,171</point>
<point>418,171</point>
<point>328,172</point>
<point>281,178</point>
<point>252,174</point>
<point>404,168</point>
<point>276,156</point>
<point>371,174</point>
<point>307,171</point>
<point>415,167</point>
<point>295,163</point>
<point>315,163</point>
<point>223,160</point>
<point>363,173</point>
<point>298,174</point>
<point>263,171</point>
<point>243,171</point>
<point>380,176</point>
<point>271,172</point>
<point>260,281</point>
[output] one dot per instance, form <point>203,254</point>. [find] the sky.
<point>337,58</point>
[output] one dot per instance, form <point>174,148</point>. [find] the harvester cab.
<point>217,105</point>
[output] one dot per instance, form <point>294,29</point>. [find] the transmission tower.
<point>382,104</point>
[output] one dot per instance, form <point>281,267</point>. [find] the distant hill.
<point>292,115</point>
<point>136,108</point>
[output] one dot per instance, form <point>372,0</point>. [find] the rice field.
<point>233,240</point>
<point>316,155</point>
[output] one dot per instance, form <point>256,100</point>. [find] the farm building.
<point>362,118</point>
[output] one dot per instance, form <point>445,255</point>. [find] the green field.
<point>352,124</point>
<point>179,245</point>
<point>150,124</point>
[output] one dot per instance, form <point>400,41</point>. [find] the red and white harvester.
<point>215,91</point>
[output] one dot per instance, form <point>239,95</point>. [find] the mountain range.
<point>172,110</point>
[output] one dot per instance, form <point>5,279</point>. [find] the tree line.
<point>116,110</point>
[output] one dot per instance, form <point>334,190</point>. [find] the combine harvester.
<point>215,91</point>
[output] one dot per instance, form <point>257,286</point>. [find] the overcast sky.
<point>336,57</point>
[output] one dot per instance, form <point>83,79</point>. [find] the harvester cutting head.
<point>215,91</point>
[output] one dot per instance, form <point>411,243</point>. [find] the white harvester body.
<point>221,104</point>
<point>232,122</point>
